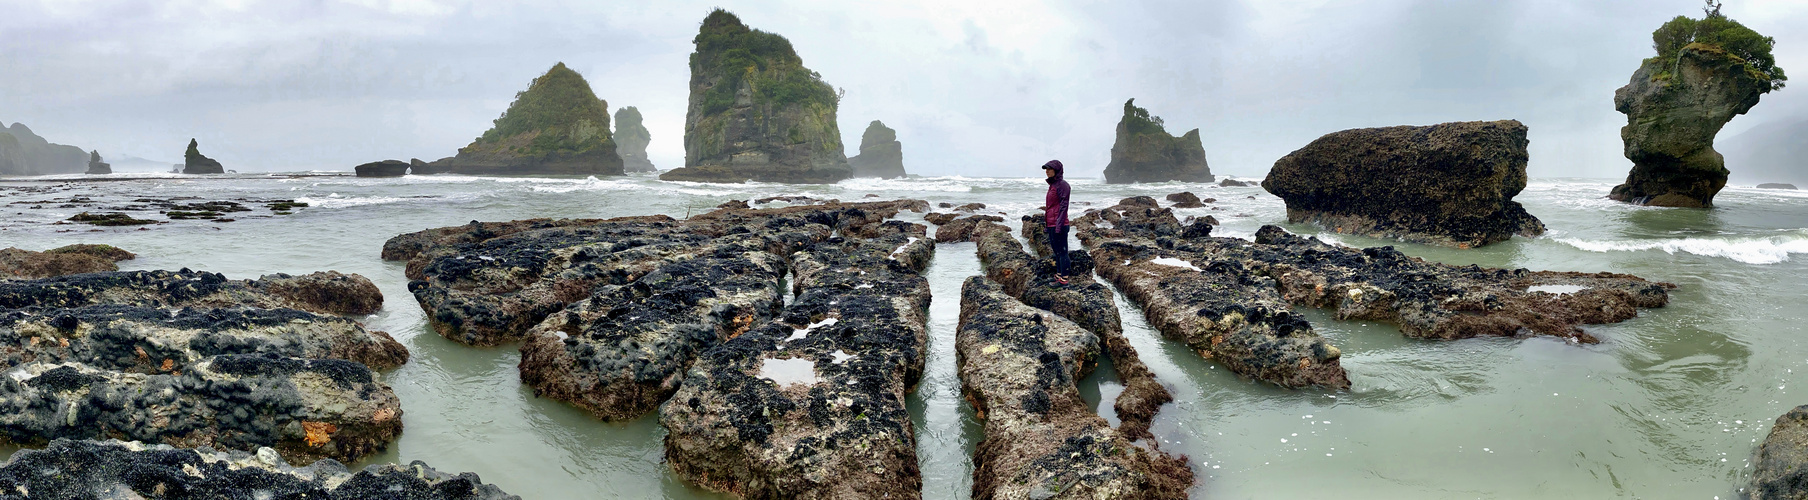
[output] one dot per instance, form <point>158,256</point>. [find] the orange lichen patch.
<point>62,342</point>
<point>384,415</point>
<point>741,323</point>
<point>319,433</point>
<point>168,364</point>
<point>140,351</point>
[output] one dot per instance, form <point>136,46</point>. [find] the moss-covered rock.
<point>1672,115</point>
<point>756,113</point>
<point>631,139</point>
<point>193,162</point>
<point>557,126</point>
<point>881,155</point>
<point>1146,153</point>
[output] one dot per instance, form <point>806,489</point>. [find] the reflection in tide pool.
<point>1669,405</point>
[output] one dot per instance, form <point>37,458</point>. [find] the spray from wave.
<point>1750,250</point>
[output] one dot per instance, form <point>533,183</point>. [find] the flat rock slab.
<point>305,409</point>
<point>812,404</point>
<point>70,259</point>
<point>116,469</point>
<point>146,340</point>
<point>323,292</point>
<point>1018,367</point>
<point>1781,463</point>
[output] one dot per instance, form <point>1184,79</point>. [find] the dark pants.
<point>1057,245</point>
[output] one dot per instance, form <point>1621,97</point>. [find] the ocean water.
<point>1670,405</point>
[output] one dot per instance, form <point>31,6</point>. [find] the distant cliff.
<point>756,113</point>
<point>631,139</point>
<point>556,127</point>
<point>881,155</point>
<point>24,153</point>
<point>1769,152</point>
<point>1144,152</point>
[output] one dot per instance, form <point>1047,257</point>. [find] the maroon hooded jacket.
<point>1056,201</point>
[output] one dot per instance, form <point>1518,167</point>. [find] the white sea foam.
<point>1173,262</point>
<point>1750,250</point>
<point>336,201</point>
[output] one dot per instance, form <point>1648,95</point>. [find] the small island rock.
<point>95,166</point>
<point>385,168</point>
<point>556,127</point>
<point>195,163</point>
<point>1144,152</point>
<point>881,155</point>
<point>631,139</point>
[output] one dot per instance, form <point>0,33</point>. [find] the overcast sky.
<point>973,88</point>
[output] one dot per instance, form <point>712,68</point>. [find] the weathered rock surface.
<point>556,127</point>
<point>1234,183</point>
<point>23,152</point>
<point>1018,367</point>
<point>881,155</point>
<point>195,163</point>
<point>95,166</point>
<point>1425,299</point>
<point>1144,152</point>
<point>1672,116</point>
<point>812,405</point>
<point>385,168</point>
<point>631,140</point>
<point>1083,301</point>
<point>1781,463</point>
<point>116,469</point>
<point>961,229</point>
<point>1776,185</point>
<point>305,409</point>
<point>69,259</point>
<point>149,340</point>
<point>322,292</point>
<point>1186,199</point>
<point>755,112</point>
<point>1450,184</point>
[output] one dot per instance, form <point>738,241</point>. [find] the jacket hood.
<point>1056,165</point>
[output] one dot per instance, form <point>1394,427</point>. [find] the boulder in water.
<point>756,113</point>
<point>1144,151</point>
<point>1186,199</point>
<point>65,260</point>
<point>881,155</point>
<point>196,163</point>
<point>1449,184</point>
<point>1780,465</point>
<point>385,168</point>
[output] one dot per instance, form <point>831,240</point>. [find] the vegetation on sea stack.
<point>558,113</point>
<point>1717,34</point>
<point>764,60</point>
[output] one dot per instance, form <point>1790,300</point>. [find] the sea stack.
<point>631,139</point>
<point>1706,72</point>
<point>556,127</point>
<point>1144,152</point>
<point>95,166</point>
<point>881,155</point>
<point>195,163</point>
<point>756,113</point>
<point>1450,184</point>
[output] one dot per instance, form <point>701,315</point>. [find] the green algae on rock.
<point>755,112</point>
<point>1450,184</point>
<point>1144,151</point>
<point>881,155</point>
<point>631,139</point>
<point>557,126</point>
<point>1706,72</point>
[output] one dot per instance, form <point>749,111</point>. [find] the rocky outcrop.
<point>70,259</point>
<point>1426,300</point>
<point>961,229</point>
<point>1234,183</point>
<point>95,166</point>
<point>812,404</point>
<point>1674,108</point>
<point>196,163</point>
<point>1450,184</point>
<point>116,469</point>
<point>385,168</point>
<point>556,127</point>
<point>1780,465</point>
<point>1776,185</point>
<point>1144,152</point>
<point>755,112</point>
<point>23,152</point>
<point>1083,301</point>
<point>193,359</point>
<point>1018,366</point>
<point>1186,199</point>
<point>631,140</point>
<point>881,155</point>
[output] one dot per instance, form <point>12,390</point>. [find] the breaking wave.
<point>1750,250</point>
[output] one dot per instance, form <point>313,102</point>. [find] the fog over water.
<point>975,88</point>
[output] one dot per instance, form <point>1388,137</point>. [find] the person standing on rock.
<point>1054,210</point>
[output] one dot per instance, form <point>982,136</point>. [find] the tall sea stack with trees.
<point>1144,152</point>
<point>631,140</point>
<point>1706,71</point>
<point>756,113</point>
<point>556,127</point>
